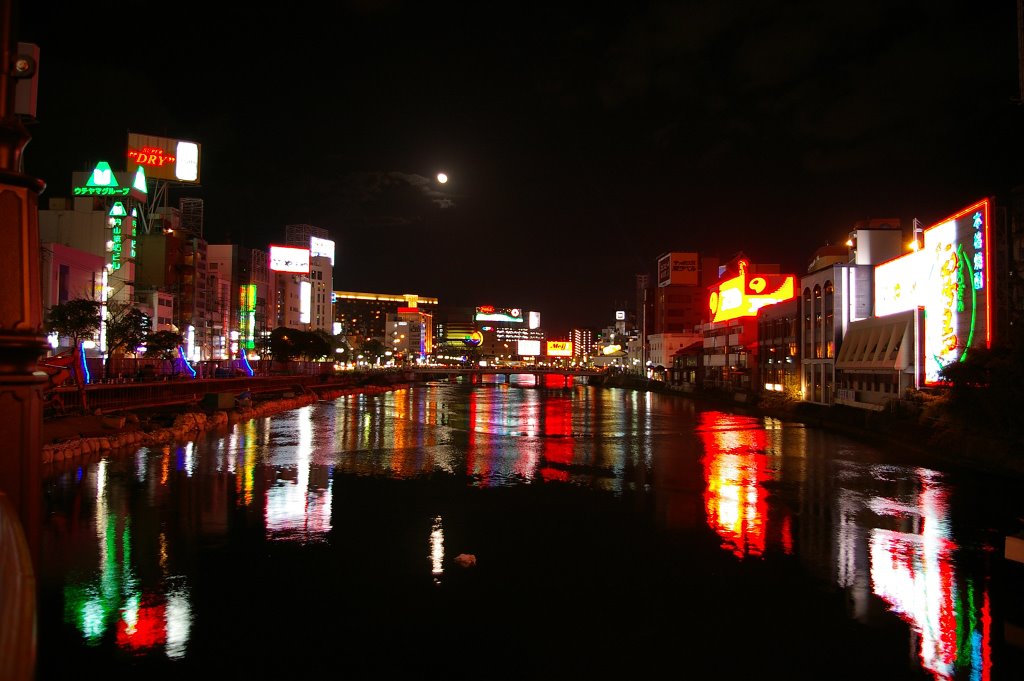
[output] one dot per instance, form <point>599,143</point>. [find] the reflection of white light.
<point>190,460</point>
<point>179,620</point>
<point>437,550</point>
<point>296,508</point>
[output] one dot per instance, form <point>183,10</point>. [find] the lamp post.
<point>22,341</point>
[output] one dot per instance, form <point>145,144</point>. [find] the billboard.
<point>948,277</point>
<point>678,268</point>
<point>321,247</point>
<point>104,182</point>
<point>528,348</point>
<point>489,313</point>
<point>559,348</point>
<point>289,259</point>
<point>164,158</point>
<point>534,320</point>
<point>247,316</point>
<point>305,298</point>
<point>620,315</point>
<point>741,296</point>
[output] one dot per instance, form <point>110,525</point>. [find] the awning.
<point>878,344</point>
<point>694,348</point>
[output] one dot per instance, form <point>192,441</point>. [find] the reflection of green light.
<point>965,625</point>
<point>92,607</point>
<point>87,610</point>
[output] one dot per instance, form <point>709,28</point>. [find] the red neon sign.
<point>154,157</point>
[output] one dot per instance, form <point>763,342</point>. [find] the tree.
<point>283,342</point>
<point>987,388</point>
<point>314,345</point>
<point>163,344</point>
<point>340,342</point>
<point>372,350</point>
<point>76,319</point>
<point>127,328</point>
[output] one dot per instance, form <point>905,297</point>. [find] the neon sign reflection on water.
<point>114,598</point>
<point>735,467</point>
<point>915,573</point>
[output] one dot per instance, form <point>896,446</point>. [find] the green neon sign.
<point>102,176</point>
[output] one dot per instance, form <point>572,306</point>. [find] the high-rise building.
<point>319,306</point>
<point>246,271</point>
<point>363,316</point>
<point>174,261</point>
<point>582,344</point>
<point>409,334</point>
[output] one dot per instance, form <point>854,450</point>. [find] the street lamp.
<point>917,242</point>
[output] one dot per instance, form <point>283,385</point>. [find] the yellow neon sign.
<point>739,297</point>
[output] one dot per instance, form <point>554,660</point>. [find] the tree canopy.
<point>127,328</point>
<point>76,319</point>
<point>287,343</point>
<point>163,344</point>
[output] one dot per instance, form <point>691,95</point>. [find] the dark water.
<point>614,532</point>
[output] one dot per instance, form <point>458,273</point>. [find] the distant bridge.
<point>475,374</point>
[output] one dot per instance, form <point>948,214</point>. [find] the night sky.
<point>582,139</point>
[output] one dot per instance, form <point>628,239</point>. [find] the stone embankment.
<point>131,431</point>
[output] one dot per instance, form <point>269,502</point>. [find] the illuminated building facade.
<point>364,315</point>
<point>173,261</point>
<point>932,306</point>
<point>69,274</point>
<point>778,339</point>
<point>409,335</point>
<point>321,273</point>
<point>680,296</point>
<point>247,272</point>
<point>730,352</point>
<point>674,306</point>
<point>582,344</point>
<point>502,329</point>
<point>101,226</point>
<point>455,332</point>
<point>837,291</point>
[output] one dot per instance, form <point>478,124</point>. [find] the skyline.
<point>580,144</point>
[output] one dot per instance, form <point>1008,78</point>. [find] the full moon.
<point>442,178</point>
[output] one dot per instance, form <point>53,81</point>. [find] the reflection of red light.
<point>558,443</point>
<point>149,630</point>
<point>471,444</point>
<point>734,468</point>
<point>787,536</point>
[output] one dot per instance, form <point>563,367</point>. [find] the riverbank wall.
<point>72,443</point>
<point>933,435</point>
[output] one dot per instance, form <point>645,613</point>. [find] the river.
<point>527,531</point>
